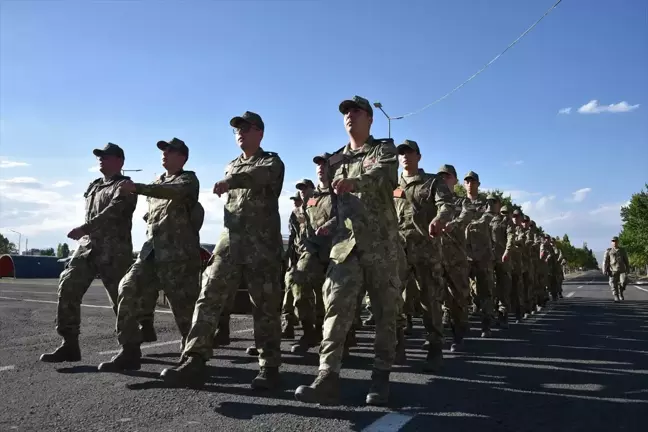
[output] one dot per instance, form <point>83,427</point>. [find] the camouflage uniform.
<point>455,264</point>
<point>502,237</point>
<point>549,257</point>
<point>419,200</point>
<point>517,259</point>
<point>531,268</point>
<point>105,249</point>
<point>288,318</point>
<point>480,258</point>
<point>616,266</point>
<point>542,277</point>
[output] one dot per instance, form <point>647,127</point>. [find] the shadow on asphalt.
<point>579,364</point>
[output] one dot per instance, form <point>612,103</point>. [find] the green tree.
<point>460,190</point>
<point>65,250</point>
<point>634,233</point>
<point>48,252</point>
<point>6,247</point>
<point>59,253</point>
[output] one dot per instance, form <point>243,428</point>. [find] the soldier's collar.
<point>253,158</point>
<point>368,145</point>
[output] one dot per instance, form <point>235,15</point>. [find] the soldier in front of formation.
<point>616,266</point>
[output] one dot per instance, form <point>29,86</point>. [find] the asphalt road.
<point>579,365</point>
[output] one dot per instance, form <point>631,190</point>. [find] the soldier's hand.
<point>436,228</point>
<point>321,231</point>
<point>449,226</point>
<point>343,185</point>
<point>76,233</point>
<point>220,188</point>
<point>505,257</point>
<point>127,187</point>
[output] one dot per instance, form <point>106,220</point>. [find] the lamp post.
<point>135,170</point>
<point>19,239</point>
<point>389,119</point>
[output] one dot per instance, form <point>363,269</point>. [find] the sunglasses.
<point>243,128</point>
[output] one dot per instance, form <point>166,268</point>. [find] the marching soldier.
<point>616,266</point>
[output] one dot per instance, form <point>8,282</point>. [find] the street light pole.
<point>19,239</point>
<point>389,119</point>
<point>135,170</point>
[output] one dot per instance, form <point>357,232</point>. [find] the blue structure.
<point>30,266</point>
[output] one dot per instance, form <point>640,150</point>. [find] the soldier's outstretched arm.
<point>468,213</point>
<point>384,170</point>
<point>185,185</point>
<point>121,206</point>
<point>442,196</point>
<point>270,171</point>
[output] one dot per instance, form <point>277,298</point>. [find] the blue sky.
<point>75,75</point>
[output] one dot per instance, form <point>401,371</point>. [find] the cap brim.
<point>237,121</point>
<point>98,152</point>
<point>405,146</point>
<point>162,145</point>
<point>347,104</point>
<point>318,159</point>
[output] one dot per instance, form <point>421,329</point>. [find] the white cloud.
<point>6,163</point>
<point>609,209</point>
<point>593,107</point>
<point>61,183</point>
<point>580,194</point>
<point>94,169</point>
<point>518,162</point>
<point>565,110</point>
<point>21,180</point>
<point>542,202</point>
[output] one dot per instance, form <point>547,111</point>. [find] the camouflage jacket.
<point>108,221</point>
<point>366,217</point>
<point>454,241</point>
<point>521,249</point>
<point>533,253</point>
<point>616,260</point>
<point>419,200</point>
<point>478,234</point>
<point>503,240</point>
<point>297,228</point>
<point>319,213</point>
<point>170,230</point>
<point>548,258</point>
<point>252,224</point>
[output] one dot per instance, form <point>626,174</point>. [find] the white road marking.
<point>642,289</point>
<point>7,368</point>
<point>159,344</point>
<point>571,294</point>
<point>83,304</point>
<point>390,422</point>
<point>28,292</point>
<point>578,287</point>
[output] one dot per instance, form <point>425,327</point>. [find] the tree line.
<point>8,247</point>
<point>634,231</point>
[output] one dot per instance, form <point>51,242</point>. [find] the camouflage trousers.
<point>341,291</point>
<point>552,284</point>
<point>288,303</point>
<point>502,288</point>
<point>517,298</point>
<point>307,280</point>
<point>526,292</point>
<point>457,297</point>
<point>178,280</point>
<point>618,282</point>
<point>481,279</point>
<point>220,281</point>
<point>74,282</point>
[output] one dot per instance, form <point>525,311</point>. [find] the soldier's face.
<point>110,164</point>
<point>449,180</point>
<point>248,136</point>
<point>306,193</point>
<point>408,158</point>
<point>471,185</point>
<point>495,205</point>
<point>357,121</point>
<point>298,203</point>
<point>172,159</point>
<point>516,220</point>
<point>615,243</point>
<point>320,170</point>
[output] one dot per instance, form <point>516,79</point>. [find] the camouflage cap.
<point>248,117</point>
<point>472,175</point>
<point>504,209</point>
<point>448,169</point>
<point>409,144</point>
<point>533,223</point>
<point>615,238</point>
<point>527,218</point>
<point>321,158</point>
<point>176,144</point>
<point>356,102</point>
<point>304,183</point>
<point>296,197</point>
<point>109,149</point>
<point>493,197</point>
<point>517,212</point>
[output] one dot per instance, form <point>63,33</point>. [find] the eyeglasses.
<point>243,128</point>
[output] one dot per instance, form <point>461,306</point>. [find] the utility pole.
<point>19,239</point>
<point>389,119</point>
<point>134,170</point>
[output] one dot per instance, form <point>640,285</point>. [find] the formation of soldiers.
<point>408,243</point>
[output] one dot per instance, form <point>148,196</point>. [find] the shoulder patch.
<point>271,154</point>
<point>311,202</point>
<point>398,193</point>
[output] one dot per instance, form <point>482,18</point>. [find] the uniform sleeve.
<point>442,199</point>
<point>268,172</point>
<point>606,261</point>
<point>185,185</point>
<point>383,172</point>
<point>510,237</point>
<point>467,213</point>
<point>120,207</point>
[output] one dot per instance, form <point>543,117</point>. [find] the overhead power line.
<point>480,70</point>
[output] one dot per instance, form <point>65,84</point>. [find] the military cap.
<point>527,218</point>
<point>473,175</point>
<point>296,197</point>
<point>493,197</point>
<point>304,183</point>
<point>321,158</point>
<point>176,144</point>
<point>248,117</point>
<point>615,238</point>
<point>517,212</point>
<point>448,169</point>
<point>504,209</point>
<point>356,102</point>
<point>109,149</point>
<point>410,145</point>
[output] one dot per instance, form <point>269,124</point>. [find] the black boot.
<point>401,354</point>
<point>222,336</point>
<point>325,389</point>
<point>192,370</point>
<point>502,318</point>
<point>486,331</point>
<point>148,331</point>
<point>267,379</point>
<point>69,351</point>
<point>288,329</point>
<point>378,394</point>
<point>434,359</point>
<point>252,351</point>
<point>128,358</point>
<point>307,341</point>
